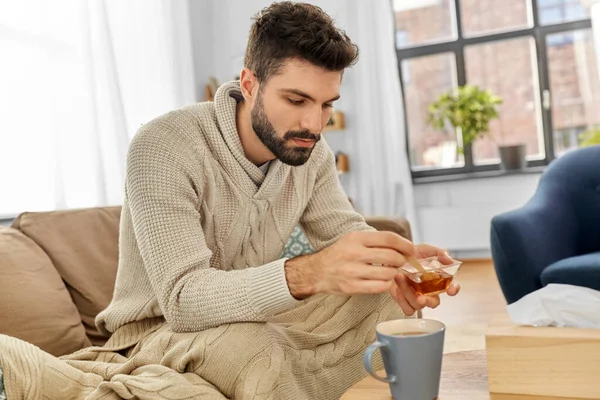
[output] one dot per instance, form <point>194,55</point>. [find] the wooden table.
<point>464,377</point>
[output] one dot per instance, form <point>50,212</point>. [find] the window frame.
<point>457,46</point>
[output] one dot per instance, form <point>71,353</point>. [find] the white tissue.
<point>558,305</point>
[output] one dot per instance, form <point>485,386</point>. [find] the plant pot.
<point>513,157</point>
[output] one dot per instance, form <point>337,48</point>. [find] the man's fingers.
<point>444,257</point>
<point>407,309</point>
<point>453,289</point>
<point>426,250</point>
<point>431,301</point>
<point>383,256</point>
<point>374,272</point>
<point>409,293</point>
<point>388,240</point>
<point>365,286</point>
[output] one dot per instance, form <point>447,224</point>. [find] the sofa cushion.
<point>83,245</point>
<point>35,305</point>
<point>398,225</point>
<point>579,271</point>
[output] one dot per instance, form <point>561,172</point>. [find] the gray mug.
<point>412,351</point>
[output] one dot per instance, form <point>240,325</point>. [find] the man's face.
<point>292,107</point>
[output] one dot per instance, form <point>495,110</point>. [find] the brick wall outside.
<point>508,68</point>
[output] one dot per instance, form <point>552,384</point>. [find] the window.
<point>538,55</point>
<point>428,75</point>
<point>480,17</point>
<point>39,50</point>
<point>575,87</point>
<point>401,39</point>
<point>76,83</point>
<point>509,70</point>
<point>567,139</point>
<point>559,11</point>
<point>424,21</point>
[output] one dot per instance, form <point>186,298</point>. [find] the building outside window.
<point>538,55</point>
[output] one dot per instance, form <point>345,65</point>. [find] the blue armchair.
<point>555,237</point>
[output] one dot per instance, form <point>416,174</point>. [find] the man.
<point>203,304</point>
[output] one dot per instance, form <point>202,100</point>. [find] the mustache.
<point>302,135</point>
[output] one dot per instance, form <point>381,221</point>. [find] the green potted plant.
<point>590,137</point>
<point>470,110</point>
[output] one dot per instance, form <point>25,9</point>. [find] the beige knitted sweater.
<point>203,228</point>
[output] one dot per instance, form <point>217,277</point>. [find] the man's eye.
<point>326,105</point>
<point>296,102</point>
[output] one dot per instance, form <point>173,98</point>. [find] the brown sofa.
<point>58,269</point>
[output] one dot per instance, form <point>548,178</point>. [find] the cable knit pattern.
<point>201,307</point>
<point>203,228</point>
<point>313,351</point>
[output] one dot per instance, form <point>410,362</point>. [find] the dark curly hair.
<point>287,30</point>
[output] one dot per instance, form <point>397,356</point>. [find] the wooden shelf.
<point>336,123</point>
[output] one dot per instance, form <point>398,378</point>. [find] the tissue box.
<point>543,361</point>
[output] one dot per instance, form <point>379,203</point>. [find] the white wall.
<point>201,26</point>
<point>457,215</point>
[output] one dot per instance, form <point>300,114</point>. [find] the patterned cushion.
<point>297,244</point>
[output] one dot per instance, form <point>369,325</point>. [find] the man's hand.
<point>363,262</point>
<point>405,295</point>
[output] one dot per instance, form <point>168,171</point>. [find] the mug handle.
<point>368,360</point>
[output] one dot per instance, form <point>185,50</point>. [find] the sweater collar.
<point>225,106</point>
<point>226,100</point>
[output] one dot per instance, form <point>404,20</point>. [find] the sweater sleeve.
<point>164,193</point>
<point>329,214</point>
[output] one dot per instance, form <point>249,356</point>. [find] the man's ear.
<point>248,85</point>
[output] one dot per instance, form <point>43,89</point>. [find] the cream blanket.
<point>311,352</point>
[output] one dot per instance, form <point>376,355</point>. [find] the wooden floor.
<point>466,315</point>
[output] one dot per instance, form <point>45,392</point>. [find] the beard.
<point>287,154</point>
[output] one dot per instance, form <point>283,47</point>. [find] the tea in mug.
<point>432,283</point>
<point>410,333</point>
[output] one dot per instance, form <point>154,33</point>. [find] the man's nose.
<point>312,121</point>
